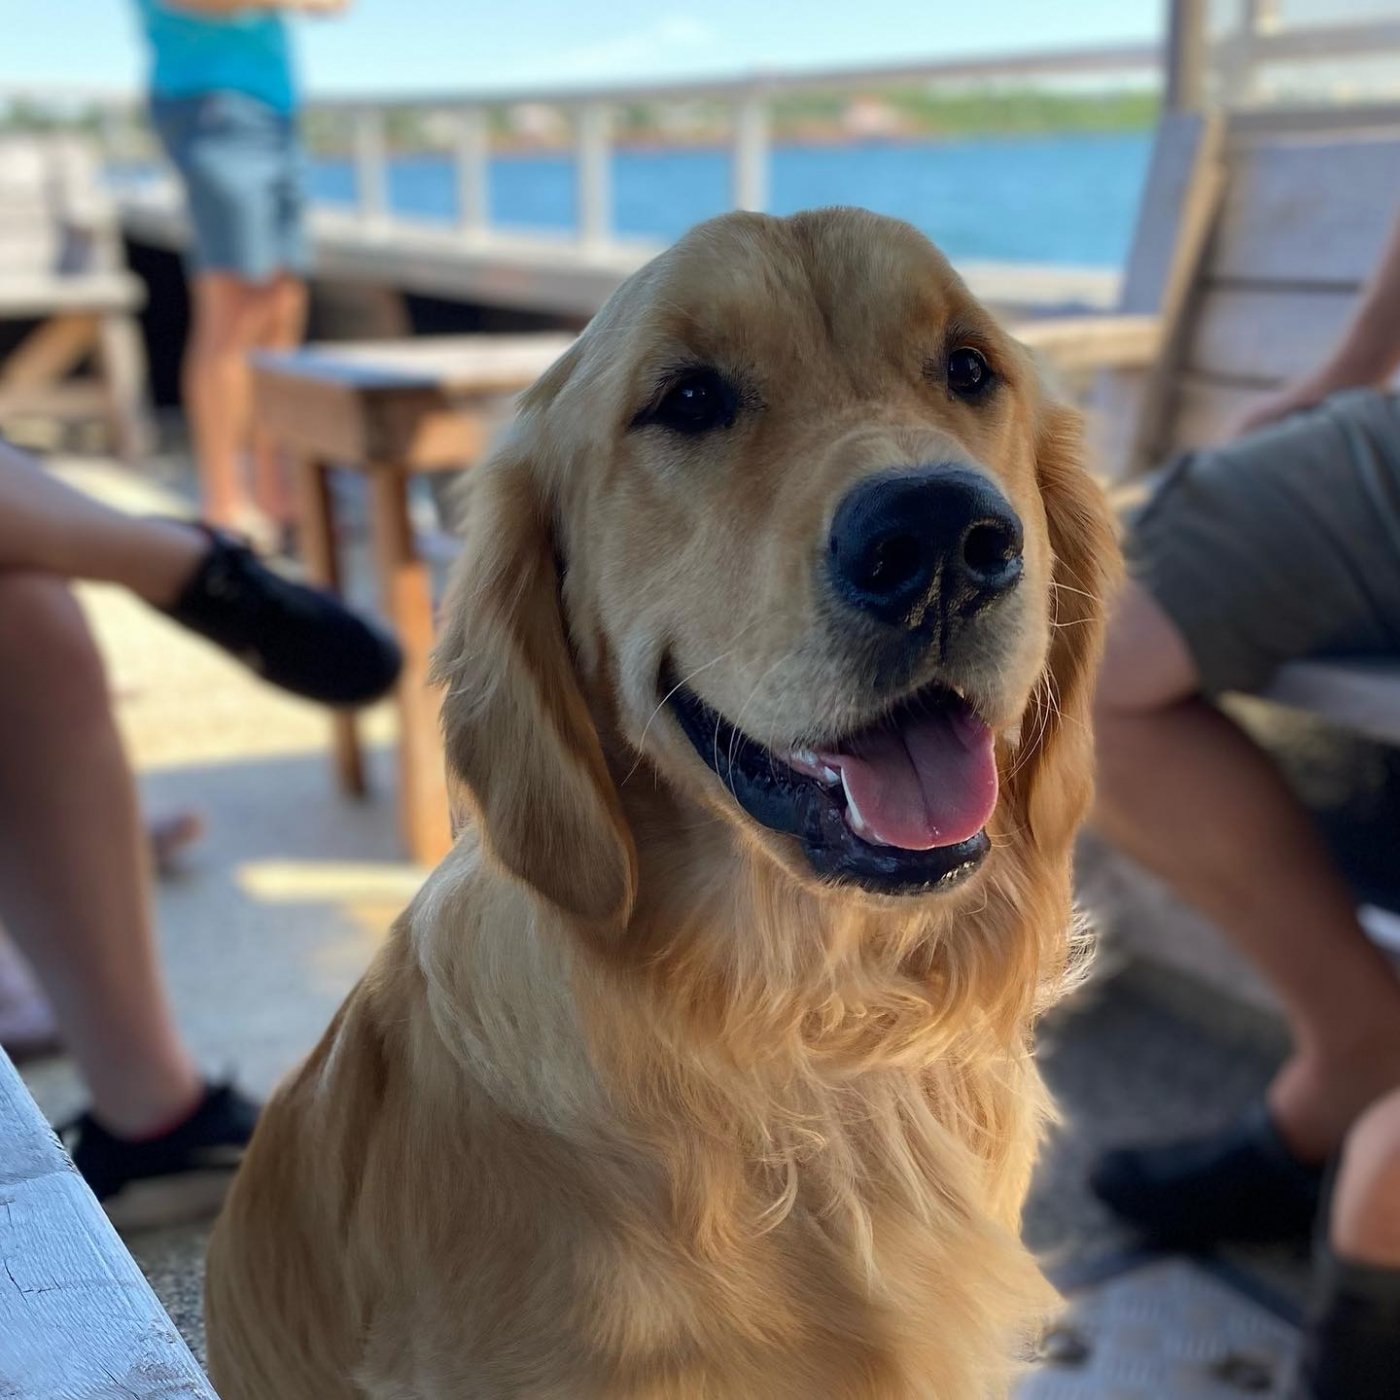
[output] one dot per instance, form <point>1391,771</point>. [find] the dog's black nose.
<point>911,545</point>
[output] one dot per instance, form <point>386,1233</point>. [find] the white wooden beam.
<point>751,152</point>
<point>77,1316</point>
<point>594,127</point>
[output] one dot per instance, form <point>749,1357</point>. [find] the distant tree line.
<point>909,112</point>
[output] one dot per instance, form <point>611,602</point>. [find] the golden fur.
<point>630,1105</point>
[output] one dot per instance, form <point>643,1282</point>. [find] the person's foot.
<point>1351,1336</point>
<point>170,835</point>
<point>178,1175</point>
<point>1314,1099</point>
<point>1239,1184</point>
<point>299,638</point>
<point>28,1030</point>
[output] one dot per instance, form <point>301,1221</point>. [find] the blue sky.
<point>399,45</point>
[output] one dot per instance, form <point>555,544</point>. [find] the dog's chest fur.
<point>680,1259</point>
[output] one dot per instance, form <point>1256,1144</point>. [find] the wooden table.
<point>77,1316</point>
<point>391,410</point>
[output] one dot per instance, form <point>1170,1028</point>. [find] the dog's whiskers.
<point>680,684</point>
<point>736,728</point>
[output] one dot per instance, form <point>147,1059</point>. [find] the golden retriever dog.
<point>700,1069</point>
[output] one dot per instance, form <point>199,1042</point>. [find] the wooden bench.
<point>1254,238</point>
<point>391,411</point>
<point>60,266</point>
<point>77,1317</point>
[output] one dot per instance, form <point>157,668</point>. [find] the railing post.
<point>371,172</point>
<point>1237,62</point>
<point>1186,55</point>
<point>594,165</point>
<point>111,142</point>
<point>472,155</point>
<point>751,152</point>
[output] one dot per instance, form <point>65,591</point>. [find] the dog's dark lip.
<point>781,798</point>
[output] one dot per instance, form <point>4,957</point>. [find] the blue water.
<point>1053,199</point>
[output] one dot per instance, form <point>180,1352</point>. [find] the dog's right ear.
<point>517,729</point>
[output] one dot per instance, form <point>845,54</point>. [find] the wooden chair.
<point>60,266</point>
<point>1255,236</point>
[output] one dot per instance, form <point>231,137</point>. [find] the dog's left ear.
<point>518,732</point>
<point>1052,783</point>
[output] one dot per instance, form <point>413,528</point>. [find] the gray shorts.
<point>1282,545</point>
<point>241,165</point>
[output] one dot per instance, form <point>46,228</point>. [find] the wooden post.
<point>1237,61</point>
<point>594,165</point>
<point>121,362</point>
<point>473,153</point>
<point>750,171</point>
<point>1186,55</point>
<point>317,522</point>
<point>404,578</point>
<point>371,172</point>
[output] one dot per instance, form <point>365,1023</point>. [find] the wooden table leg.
<point>407,585</point>
<point>317,522</point>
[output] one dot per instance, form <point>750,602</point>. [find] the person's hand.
<point>1292,398</point>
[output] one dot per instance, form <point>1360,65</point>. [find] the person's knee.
<point>230,315</point>
<point>1366,1201</point>
<point>47,651</point>
<point>1375,1137</point>
<point>1146,663</point>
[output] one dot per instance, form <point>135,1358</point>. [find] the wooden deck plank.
<point>25,296</point>
<point>78,1321</point>
<point>1314,212</point>
<point>1265,334</point>
<point>469,364</point>
<point>1093,342</point>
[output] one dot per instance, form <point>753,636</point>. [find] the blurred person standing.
<point>224,102</point>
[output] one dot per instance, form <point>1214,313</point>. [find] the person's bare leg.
<point>48,527</point>
<point>1365,1224</point>
<point>228,318</point>
<point>1350,1348</point>
<point>1184,791</point>
<point>284,325</point>
<point>74,887</point>
<point>27,1026</point>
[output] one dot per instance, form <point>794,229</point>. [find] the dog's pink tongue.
<point>932,782</point>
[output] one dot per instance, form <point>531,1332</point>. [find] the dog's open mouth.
<point>900,807</point>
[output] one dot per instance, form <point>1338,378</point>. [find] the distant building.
<point>866,117</point>
<point>538,122</point>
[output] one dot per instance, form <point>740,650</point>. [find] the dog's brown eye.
<point>695,402</point>
<point>969,374</point>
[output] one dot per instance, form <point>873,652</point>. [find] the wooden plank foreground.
<point>78,1321</point>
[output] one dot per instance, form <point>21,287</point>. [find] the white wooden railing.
<point>1192,67</point>
<point>749,100</point>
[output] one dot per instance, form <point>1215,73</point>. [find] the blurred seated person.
<point>1281,544</point>
<point>74,860</point>
<point>224,104</point>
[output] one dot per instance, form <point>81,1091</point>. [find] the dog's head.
<point>795,527</point>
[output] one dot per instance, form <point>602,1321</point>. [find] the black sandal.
<point>180,1175</point>
<point>299,638</point>
<point>1351,1338</point>
<point>1240,1184</point>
